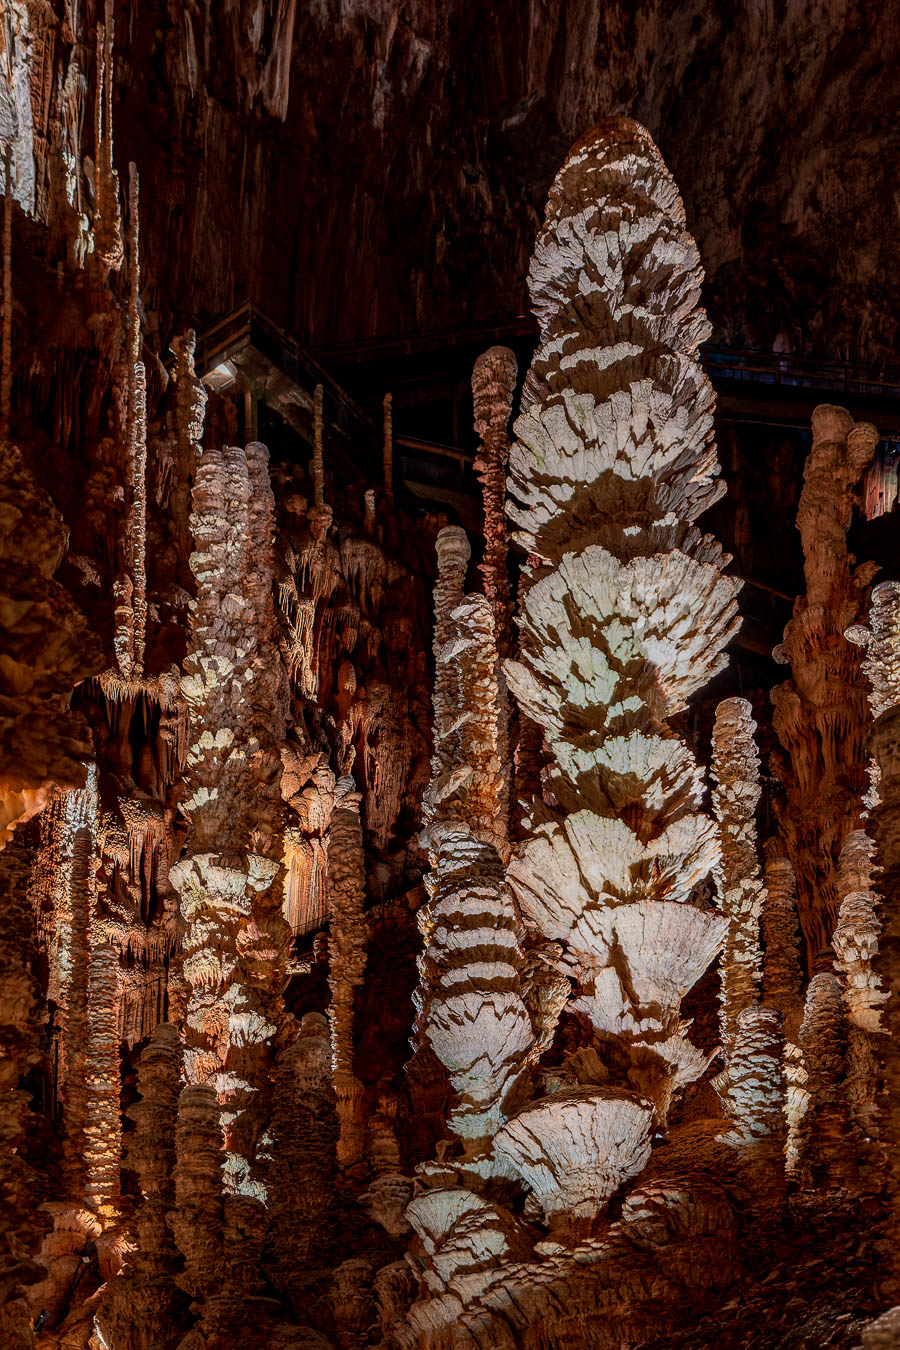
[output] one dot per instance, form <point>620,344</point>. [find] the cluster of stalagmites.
<point>624,613</point>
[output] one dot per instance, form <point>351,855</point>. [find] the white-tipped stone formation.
<point>469,996</point>
<point>624,615</point>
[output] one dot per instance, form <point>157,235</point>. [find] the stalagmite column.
<point>827,1144</point>
<point>107,212</point>
<point>493,385</point>
<point>6,340</point>
<point>624,615</point>
<point>820,714</point>
<point>136,433</point>
<point>230,881</point>
<point>190,406</point>
<point>738,882</point>
<point>305,1127</point>
<point>347,954</point>
<point>469,1000</point>
<point>885,825</point>
<point>855,946</point>
<point>781,963</point>
<point>145,1300</point>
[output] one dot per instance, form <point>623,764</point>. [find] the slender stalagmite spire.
<point>738,881</point>
<point>388,453</point>
<point>469,1000</point>
<point>347,954</point>
<point>6,344</point>
<point>855,945</point>
<point>624,614</point>
<point>136,430</point>
<point>493,385</point>
<point>230,881</point>
<point>820,713</point>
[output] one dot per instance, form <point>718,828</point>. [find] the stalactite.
<point>819,714</point>
<point>318,467</point>
<point>107,212</point>
<point>624,614</point>
<point>307,785</point>
<point>493,385</point>
<point>347,952</point>
<point>388,453</point>
<point>735,798</point>
<point>143,1306</point>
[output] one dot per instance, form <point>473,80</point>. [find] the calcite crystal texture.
<point>230,881</point>
<point>469,997</point>
<point>738,882</point>
<point>625,612</point>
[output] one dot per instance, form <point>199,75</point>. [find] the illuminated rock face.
<point>230,883</point>
<point>820,713</point>
<point>624,613</point>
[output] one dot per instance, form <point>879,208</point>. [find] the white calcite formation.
<point>469,997</point>
<point>624,615</point>
<point>230,880</point>
<point>855,946</point>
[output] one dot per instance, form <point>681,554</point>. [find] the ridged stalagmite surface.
<point>781,962</point>
<point>624,615</point>
<point>735,798</point>
<point>469,998</point>
<point>885,825</point>
<point>141,1307</point>
<point>827,1145</point>
<point>347,953</point>
<point>493,385</point>
<point>229,882</point>
<point>856,945</point>
<point>820,714</point>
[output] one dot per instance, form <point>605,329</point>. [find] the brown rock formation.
<point>47,650</point>
<point>820,714</point>
<point>493,385</point>
<point>738,881</point>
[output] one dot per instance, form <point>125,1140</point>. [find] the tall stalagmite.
<point>469,999</point>
<point>820,713</point>
<point>493,385</point>
<point>738,882</point>
<point>230,881</point>
<point>624,615</point>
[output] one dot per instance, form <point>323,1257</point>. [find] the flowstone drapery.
<point>624,614</point>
